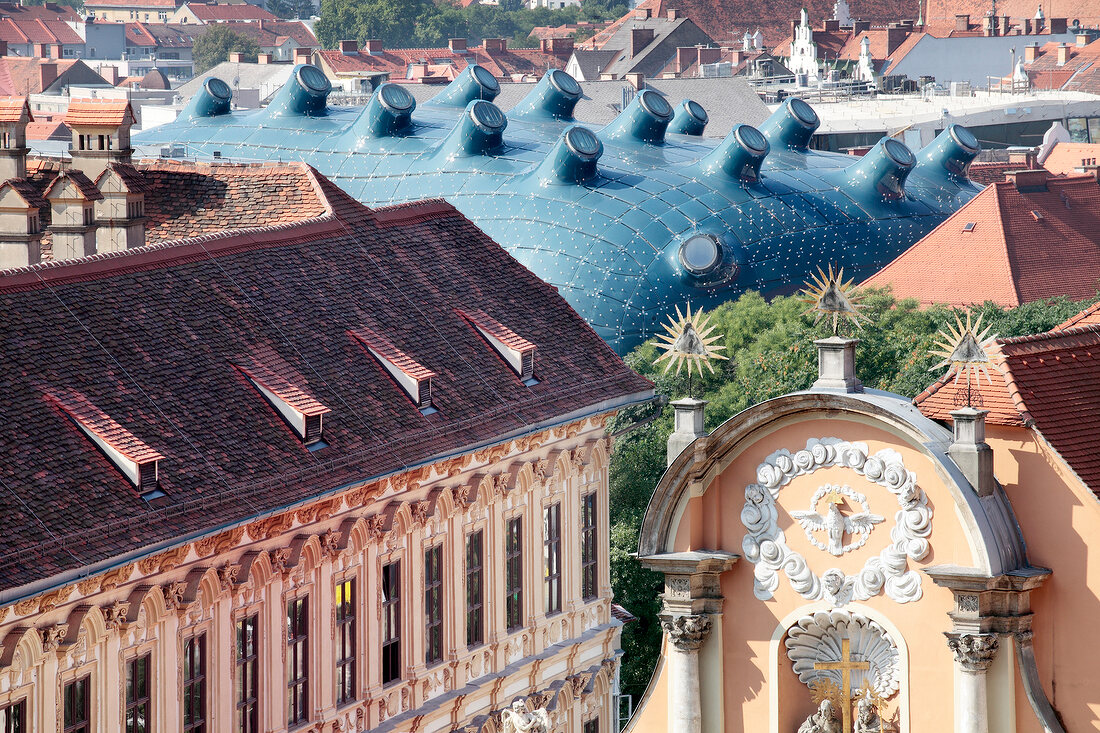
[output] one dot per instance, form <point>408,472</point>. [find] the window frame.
<point>18,724</point>
<point>297,660</point>
<point>475,599</point>
<point>195,683</point>
<point>590,550</point>
<point>513,573</point>
<point>242,665</point>
<point>85,724</point>
<point>391,660</point>
<point>551,556</point>
<point>433,604</point>
<point>346,641</point>
<point>133,701</point>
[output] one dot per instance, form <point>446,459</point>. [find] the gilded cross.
<point>845,665</point>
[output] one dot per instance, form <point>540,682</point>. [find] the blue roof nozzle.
<point>883,169</point>
<point>474,83</point>
<point>305,93</point>
<point>950,154</point>
<point>480,131</point>
<point>213,98</point>
<point>739,155</point>
<point>554,97</point>
<point>792,125</point>
<point>689,119</point>
<point>645,119</point>
<point>388,112</point>
<point>573,158</point>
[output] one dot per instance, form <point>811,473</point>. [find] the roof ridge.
<point>1051,335</point>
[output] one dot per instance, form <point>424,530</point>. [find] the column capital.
<point>692,582</point>
<point>975,652</point>
<point>686,632</point>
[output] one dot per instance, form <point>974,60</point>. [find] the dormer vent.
<point>137,461</point>
<point>301,411</point>
<point>517,351</point>
<point>414,378</point>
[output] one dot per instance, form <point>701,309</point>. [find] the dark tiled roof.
<point>150,336</point>
<point>1049,382</point>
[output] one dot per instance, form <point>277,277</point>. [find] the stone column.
<point>686,633</point>
<point>973,655</point>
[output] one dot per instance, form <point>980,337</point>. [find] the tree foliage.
<point>217,42</point>
<point>424,24</point>
<point>771,352</point>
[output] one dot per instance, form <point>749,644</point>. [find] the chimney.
<point>1057,26</point>
<point>13,144</point>
<point>1031,52</point>
<point>20,226</point>
<point>373,47</point>
<point>673,14</point>
<point>836,364</point>
<point>110,73</point>
<point>1063,53</point>
<point>349,48</point>
<point>119,214</point>
<point>47,74</point>
<point>236,57</point>
<point>457,45</point>
<point>494,45</point>
<point>1082,39</point>
<point>1028,27</point>
<point>688,425</point>
<point>3,48</point>
<point>831,25</point>
<point>265,58</point>
<point>544,45</point>
<point>969,450</point>
<point>962,22</point>
<point>100,134</point>
<point>639,39</point>
<point>860,26</point>
<point>641,14</point>
<point>72,199</point>
<point>1027,181</point>
<point>302,55</point>
<point>710,55</point>
<point>636,79</point>
<point>686,56</point>
<point>989,26</point>
<point>1023,157</point>
<point>895,36</point>
<point>56,51</point>
<point>40,50</point>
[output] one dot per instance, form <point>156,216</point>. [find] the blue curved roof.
<point>627,221</point>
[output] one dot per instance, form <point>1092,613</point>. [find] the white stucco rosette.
<point>765,544</point>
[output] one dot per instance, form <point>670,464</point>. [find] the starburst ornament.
<point>965,350</point>
<point>829,296</point>
<point>688,341</point>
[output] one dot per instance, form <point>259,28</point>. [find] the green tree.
<point>217,42</point>
<point>771,352</point>
<point>393,22</point>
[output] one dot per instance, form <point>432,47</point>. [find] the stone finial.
<point>969,450</point>
<point>688,426</point>
<point>975,652</point>
<point>836,364</point>
<point>686,633</point>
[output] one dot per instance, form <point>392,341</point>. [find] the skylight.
<point>301,411</point>
<point>969,226</point>
<point>414,378</point>
<point>518,352</point>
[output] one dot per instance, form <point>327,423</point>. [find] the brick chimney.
<point>1082,39</point>
<point>120,213</point>
<point>1031,52</point>
<point>673,14</point>
<point>265,58</point>
<point>302,55</point>
<point>47,74</point>
<point>636,79</point>
<point>14,116</point>
<point>349,48</point>
<point>558,46</point>
<point>457,45</point>
<point>831,25</point>
<point>709,55</point>
<point>20,225</point>
<point>686,56</point>
<point>1063,53</point>
<point>860,26</point>
<point>1057,26</point>
<point>373,46</point>
<point>100,134</point>
<point>72,198</point>
<point>110,73</point>
<point>495,45</point>
<point>641,14</point>
<point>989,26</point>
<point>639,39</point>
<point>236,57</point>
<point>56,50</point>
<point>962,22</point>
<point>1027,180</point>
<point>895,36</point>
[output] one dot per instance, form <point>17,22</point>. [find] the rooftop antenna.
<point>965,350</point>
<point>688,340</point>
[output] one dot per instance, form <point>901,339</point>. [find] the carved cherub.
<point>823,721</point>
<point>518,720</point>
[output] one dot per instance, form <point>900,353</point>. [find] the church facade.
<point>834,560</point>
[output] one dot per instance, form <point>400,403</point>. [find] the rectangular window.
<point>475,599</point>
<point>246,683</point>
<point>138,709</point>
<point>345,642</point>
<point>513,564</point>
<point>391,622</point>
<point>588,546</point>
<point>297,661</point>
<point>77,713</point>
<point>194,684</point>
<point>433,605</point>
<point>13,718</point>
<point>551,553</point>
<point>592,726</point>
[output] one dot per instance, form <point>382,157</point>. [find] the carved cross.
<point>845,665</point>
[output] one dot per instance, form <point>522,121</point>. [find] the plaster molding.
<point>765,543</point>
<point>688,632</point>
<point>817,638</point>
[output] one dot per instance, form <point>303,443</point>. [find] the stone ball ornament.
<point>626,221</point>
<point>765,543</point>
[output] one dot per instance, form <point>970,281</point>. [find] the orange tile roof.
<point>12,109</point>
<point>1066,158</point>
<point>1026,244</point>
<point>1088,317</point>
<point>99,112</point>
<point>1049,382</point>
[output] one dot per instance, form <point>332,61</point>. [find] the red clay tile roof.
<point>1050,383</point>
<point>1079,72</point>
<point>103,426</point>
<point>283,389</point>
<point>501,64</point>
<point>985,173</point>
<point>1026,244</point>
<point>83,184</point>
<point>268,34</point>
<point>149,336</point>
<point>497,330</point>
<point>1066,158</point>
<point>13,109</point>
<point>27,191</point>
<point>126,4</point>
<point>221,12</point>
<point>1088,317</point>
<point>48,129</point>
<point>98,112</point>
<point>386,349</point>
<point>940,14</point>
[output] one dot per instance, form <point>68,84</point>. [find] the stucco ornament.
<point>765,544</point>
<point>818,639</point>
<point>836,525</point>
<point>518,720</point>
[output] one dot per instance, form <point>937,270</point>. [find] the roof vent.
<point>517,351</point>
<point>301,411</point>
<point>414,378</point>
<point>137,461</point>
